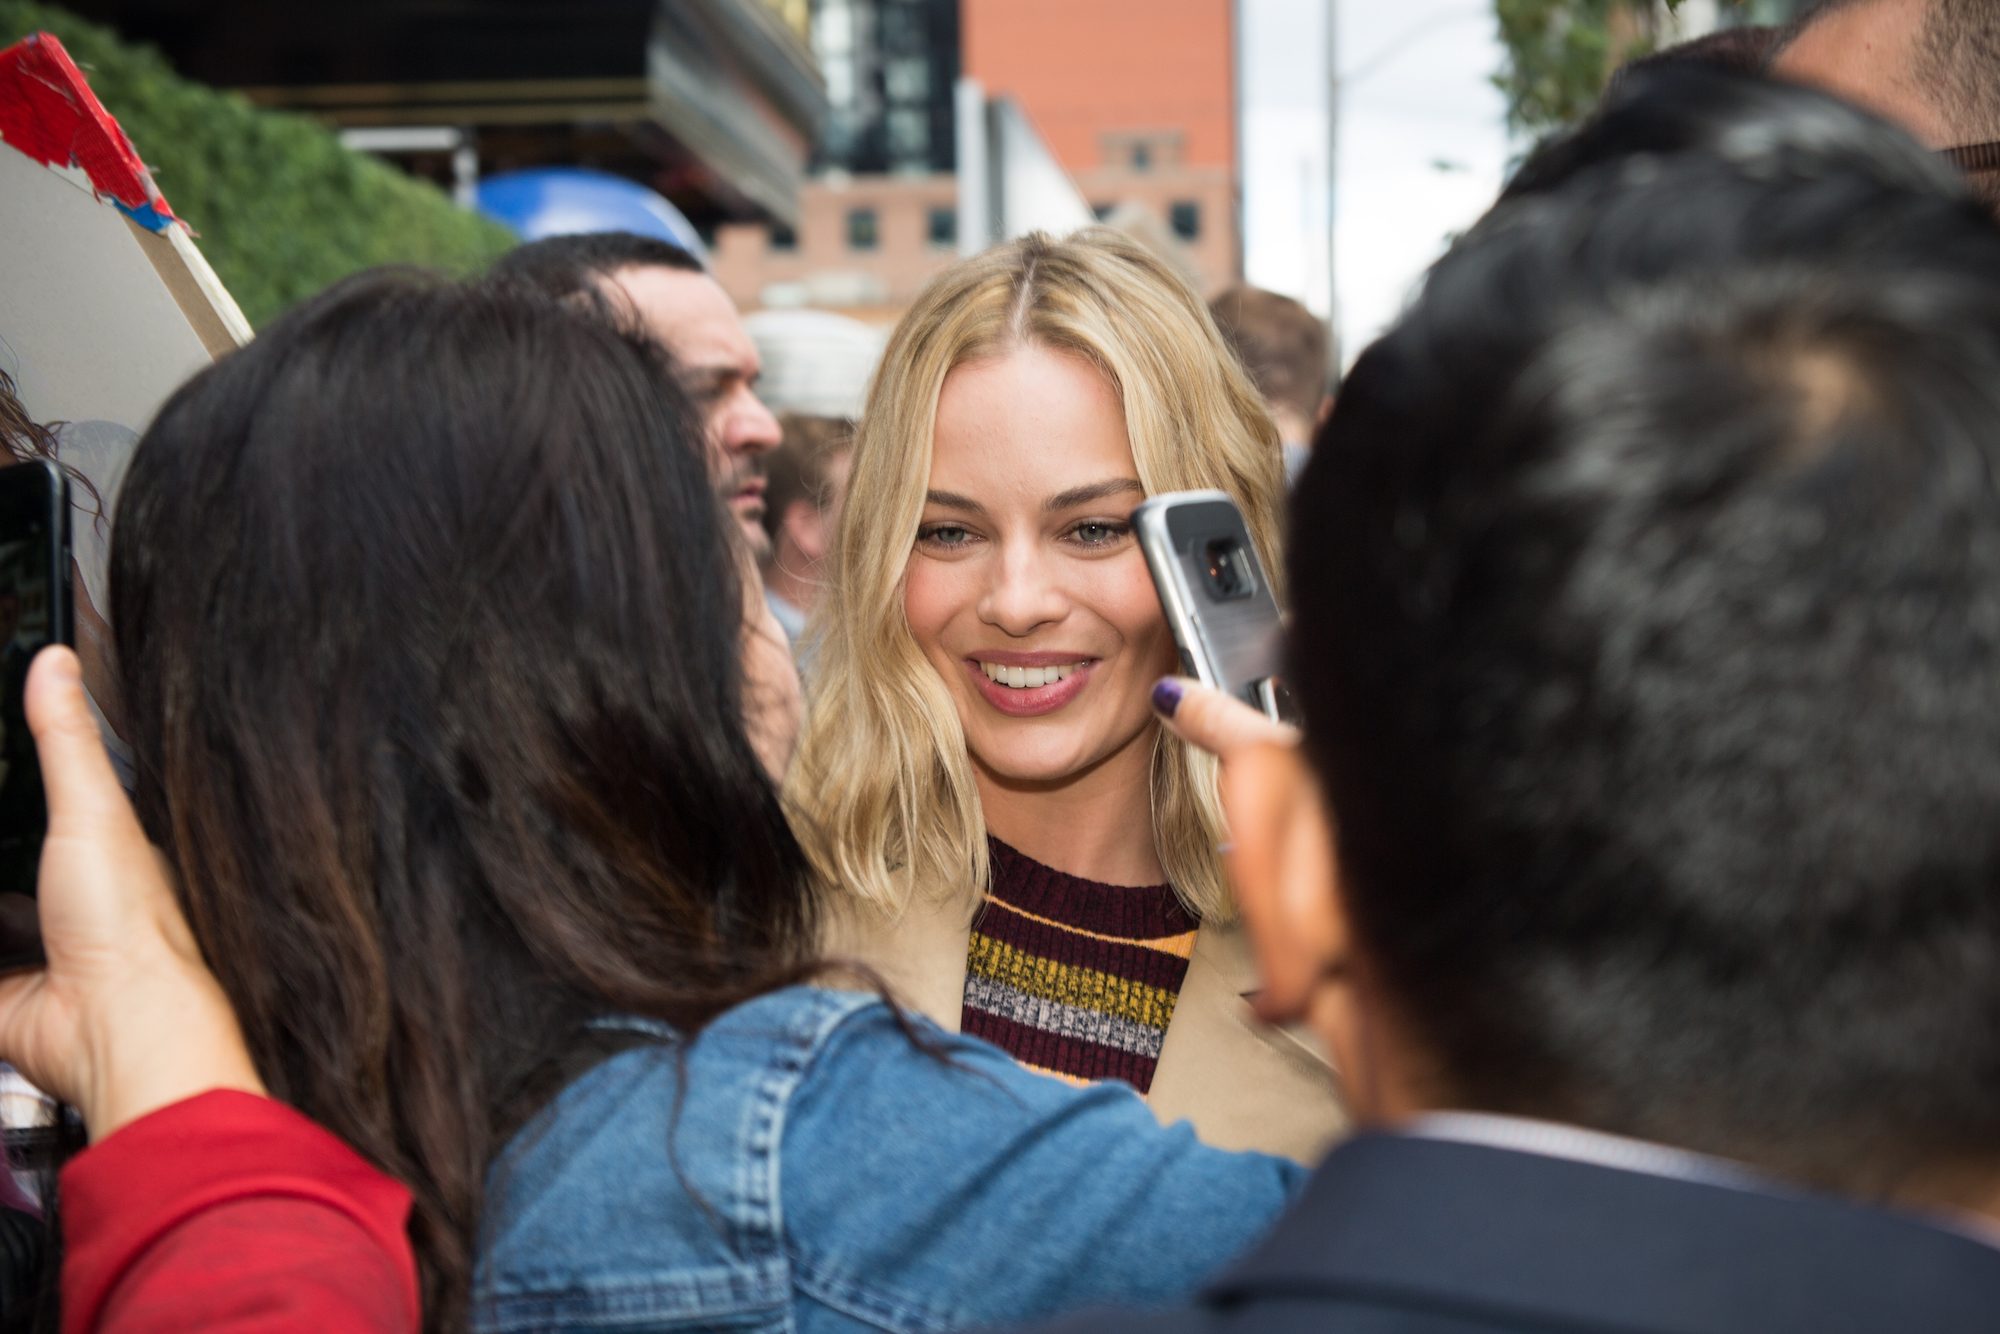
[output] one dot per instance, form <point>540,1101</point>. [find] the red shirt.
<point>233,1213</point>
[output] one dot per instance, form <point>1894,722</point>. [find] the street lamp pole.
<point>1337,83</point>
<point>1333,180</point>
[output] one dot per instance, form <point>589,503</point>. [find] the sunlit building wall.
<point>1133,97</point>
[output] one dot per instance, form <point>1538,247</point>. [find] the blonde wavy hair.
<point>882,783</point>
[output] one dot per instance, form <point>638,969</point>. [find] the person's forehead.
<point>690,314</point>
<point>1027,424</point>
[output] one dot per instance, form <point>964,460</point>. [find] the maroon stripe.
<point>1053,1051</point>
<point>1128,912</point>
<point>1134,963</point>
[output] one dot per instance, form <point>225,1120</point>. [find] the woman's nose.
<point>1024,594</point>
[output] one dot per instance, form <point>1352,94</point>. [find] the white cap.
<point>815,363</point>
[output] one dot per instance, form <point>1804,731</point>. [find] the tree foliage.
<point>1561,52</point>
<point>280,208</point>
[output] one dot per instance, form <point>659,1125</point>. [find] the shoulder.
<point>1243,1083</point>
<point>929,1175</point>
<point>876,1060</point>
<point>652,1177</point>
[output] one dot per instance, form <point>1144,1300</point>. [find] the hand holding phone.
<point>1216,595</point>
<point>125,1018</point>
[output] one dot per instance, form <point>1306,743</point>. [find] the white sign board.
<point>89,326</point>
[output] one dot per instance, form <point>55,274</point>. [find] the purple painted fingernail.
<point>1167,697</point>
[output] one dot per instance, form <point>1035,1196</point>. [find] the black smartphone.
<point>1217,598</point>
<point>35,612</point>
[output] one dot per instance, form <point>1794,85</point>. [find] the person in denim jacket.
<point>827,1172</point>
<point>446,735</point>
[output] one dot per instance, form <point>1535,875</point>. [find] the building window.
<point>1142,150</point>
<point>890,68</point>
<point>1184,216</point>
<point>943,227</point>
<point>861,229</point>
<point>907,80</point>
<point>783,237</point>
<point>909,135</point>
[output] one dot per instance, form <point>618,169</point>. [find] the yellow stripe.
<point>1181,946</point>
<point>1084,988</point>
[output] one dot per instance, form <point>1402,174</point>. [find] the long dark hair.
<point>429,627</point>
<point>20,434</point>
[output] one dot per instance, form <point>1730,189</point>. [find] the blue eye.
<point>1094,533</point>
<point>943,535</point>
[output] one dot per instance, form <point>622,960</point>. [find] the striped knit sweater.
<point>1074,978</point>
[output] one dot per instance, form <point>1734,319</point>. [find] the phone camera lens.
<point>1228,573</point>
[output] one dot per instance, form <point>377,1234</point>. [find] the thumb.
<point>1210,720</point>
<point>84,798</point>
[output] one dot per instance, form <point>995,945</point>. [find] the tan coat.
<point>1242,1083</point>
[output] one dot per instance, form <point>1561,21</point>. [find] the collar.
<point>1552,1139</point>
<point>1515,1238</point>
<point>791,619</point>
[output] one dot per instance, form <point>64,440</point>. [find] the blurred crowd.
<point>576,809</point>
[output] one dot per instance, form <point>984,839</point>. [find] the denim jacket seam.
<point>791,1034</point>
<point>879,1309</point>
<point>533,1300</point>
<point>876,1307</point>
<point>759,1179</point>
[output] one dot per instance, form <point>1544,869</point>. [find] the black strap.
<point>1973,157</point>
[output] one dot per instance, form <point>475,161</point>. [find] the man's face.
<point>1866,53</point>
<point>694,319</point>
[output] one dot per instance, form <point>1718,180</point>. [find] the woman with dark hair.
<point>430,626</point>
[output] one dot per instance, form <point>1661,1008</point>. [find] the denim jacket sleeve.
<point>922,1193</point>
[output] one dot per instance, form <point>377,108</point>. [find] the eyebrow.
<point>1055,504</point>
<point>713,379</point>
<point>951,500</point>
<point>1090,495</point>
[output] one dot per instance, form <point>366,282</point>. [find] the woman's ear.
<point>1283,867</point>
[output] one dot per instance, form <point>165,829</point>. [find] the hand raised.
<point>126,1017</point>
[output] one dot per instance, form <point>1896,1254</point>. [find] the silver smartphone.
<point>1217,598</point>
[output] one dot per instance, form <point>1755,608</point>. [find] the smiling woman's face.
<point>1026,589</point>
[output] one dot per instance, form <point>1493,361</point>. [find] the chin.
<point>755,537</point>
<point>1036,764</point>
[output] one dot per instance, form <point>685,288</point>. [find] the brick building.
<point>1135,99</point>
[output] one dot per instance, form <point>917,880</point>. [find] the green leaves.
<point>1561,52</point>
<point>279,207</point>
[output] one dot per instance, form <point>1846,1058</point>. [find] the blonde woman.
<point>1004,828</point>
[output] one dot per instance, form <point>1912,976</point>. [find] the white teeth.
<point>1026,678</point>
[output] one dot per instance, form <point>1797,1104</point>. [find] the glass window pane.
<point>833,28</point>
<point>909,79</point>
<point>943,226</point>
<point>839,82</point>
<point>861,234</point>
<point>909,135</point>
